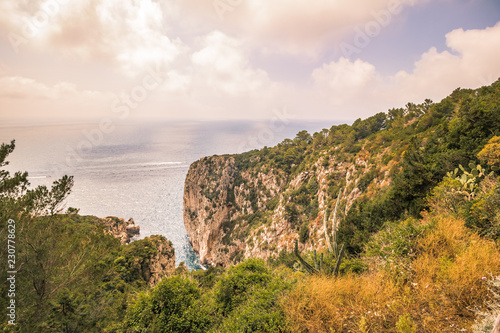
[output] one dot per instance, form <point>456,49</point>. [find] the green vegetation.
<point>394,159</point>
<point>72,276</point>
<point>421,251</point>
<point>430,274</point>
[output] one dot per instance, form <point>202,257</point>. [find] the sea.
<point>136,169</point>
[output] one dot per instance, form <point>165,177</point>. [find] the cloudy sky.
<point>239,59</point>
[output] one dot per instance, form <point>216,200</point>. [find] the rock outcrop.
<point>159,258</point>
<point>161,263</point>
<point>118,227</point>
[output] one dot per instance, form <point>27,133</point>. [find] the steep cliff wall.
<point>232,212</point>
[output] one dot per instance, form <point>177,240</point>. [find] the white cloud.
<point>357,90</point>
<point>471,60</point>
<point>214,71</point>
<point>30,97</point>
<point>341,81</point>
<point>291,26</point>
<point>223,66</point>
<point>128,34</point>
<point>26,88</point>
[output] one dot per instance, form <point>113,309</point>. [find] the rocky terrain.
<point>160,256</point>
<point>118,227</point>
<point>161,262</point>
<point>221,200</point>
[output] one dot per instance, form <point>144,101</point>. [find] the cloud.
<point>217,70</point>
<point>358,90</point>
<point>33,98</point>
<point>291,26</point>
<point>342,80</point>
<point>127,34</point>
<point>223,66</point>
<point>472,60</point>
<point>18,87</point>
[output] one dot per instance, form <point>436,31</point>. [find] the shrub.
<point>260,311</point>
<point>169,307</point>
<point>239,280</point>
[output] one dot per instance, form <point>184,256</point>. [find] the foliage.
<point>395,247</point>
<point>491,152</point>
<point>333,248</point>
<point>473,196</point>
<point>72,275</point>
<point>172,306</point>
<point>484,211</point>
<point>233,287</point>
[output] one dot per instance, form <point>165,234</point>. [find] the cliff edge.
<point>379,169</point>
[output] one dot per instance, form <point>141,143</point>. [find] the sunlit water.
<point>135,170</point>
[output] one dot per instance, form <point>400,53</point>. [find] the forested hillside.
<point>258,203</point>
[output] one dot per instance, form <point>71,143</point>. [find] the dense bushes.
<point>244,299</point>
<point>172,306</point>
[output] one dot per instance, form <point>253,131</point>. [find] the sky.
<point>239,59</point>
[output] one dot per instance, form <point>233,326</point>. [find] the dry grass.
<point>448,284</point>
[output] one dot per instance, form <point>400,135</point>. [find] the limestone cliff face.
<point>207,204</point>
<point>233,212</point>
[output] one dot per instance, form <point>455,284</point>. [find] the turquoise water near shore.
<point>136,169</point>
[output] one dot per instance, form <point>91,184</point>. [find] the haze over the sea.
<point>138,170</point>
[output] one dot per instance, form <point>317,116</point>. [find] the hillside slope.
<point>257,203</point>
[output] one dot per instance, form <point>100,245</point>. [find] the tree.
<point>491,152</point>
<point>172,306</point>
<point>30,209</point>
<point>16,197</point>
<point>303,136</point>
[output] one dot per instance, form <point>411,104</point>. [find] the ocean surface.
<point>136,169</point>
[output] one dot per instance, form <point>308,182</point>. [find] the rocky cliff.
<point>161,261</point>
<point>232,212</point>
<point>157,259</point>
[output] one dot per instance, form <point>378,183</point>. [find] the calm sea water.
<point>136,169</point>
